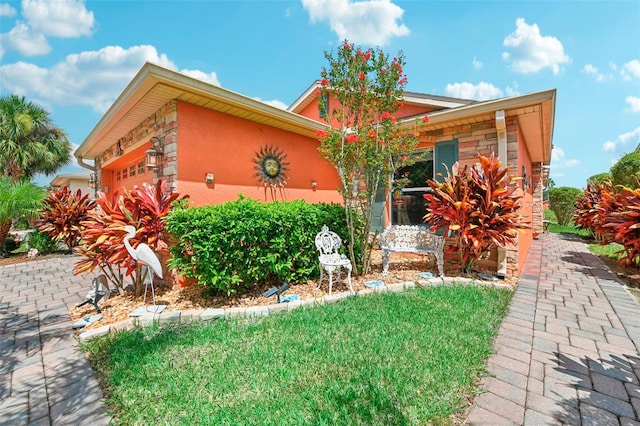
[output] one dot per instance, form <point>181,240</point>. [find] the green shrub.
<point>626,171</point>
<point>235,245</point>
<point>562,201</point>
<point>42,242</point>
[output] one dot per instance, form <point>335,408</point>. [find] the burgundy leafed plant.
<point>625,221</point>
<point>62,215</point>
<point>144,208</point>
<point>479,205</point>
<point>592,210</point>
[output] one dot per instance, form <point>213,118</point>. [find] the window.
<point>132,171</point>
<point>118,175</point>
<point>125,172</point>
<point>408,204</point>
<point>141,168</point>
<point>323,105</point>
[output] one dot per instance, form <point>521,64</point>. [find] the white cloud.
<point>61,18</point>
<point>479,92</point>
<point>23,39</point>
<point>532,52</point>
<point>513,91</point>
<point>372,22</point>
<point>93,78</point>
<point>625,140</point>
<point>558,161</point>
<point>7,10</point>
<point>634,103</point>
<point>595,72</point>
<point>64,19</point>
<point>631,70</point>
<point>476,63</point>
<point>275,103</point>
<point>211,78</point>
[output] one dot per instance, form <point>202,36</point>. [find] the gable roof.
<point>153,86</point>
<point>411,98</point>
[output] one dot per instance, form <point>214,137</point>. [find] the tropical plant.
<point>365,143</point>
<point>18,199</point>
<point>562,201</point>
<point>625,221</point>
<point>626,171</point>
<point>479,206</point>
<point>593,208</point>
<point>30,142</point>
<point>62,214</point>
<point>102,243</point>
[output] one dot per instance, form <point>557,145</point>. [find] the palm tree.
<point>29,141</point>
<point>18,199</point>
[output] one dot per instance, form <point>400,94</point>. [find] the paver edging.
<point>209,314</point>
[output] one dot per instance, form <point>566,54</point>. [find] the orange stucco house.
<point>207,142</point>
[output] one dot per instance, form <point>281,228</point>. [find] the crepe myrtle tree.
<point>364,141</point>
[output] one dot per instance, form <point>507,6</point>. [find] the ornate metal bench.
<point>411,239</point>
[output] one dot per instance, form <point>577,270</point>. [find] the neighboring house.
<point>210,142</point>
<point>74,181</point>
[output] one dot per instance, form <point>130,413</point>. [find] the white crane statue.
<point>144,255</point>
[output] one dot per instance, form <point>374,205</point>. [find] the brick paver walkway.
<point>567,352</point>
<point>44,378</point>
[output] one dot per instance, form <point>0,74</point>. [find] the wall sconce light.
<point>154,156</point>
<point>314,185</point>
<point>119,150</point>
<point>208,178</point>
<point>92,180</point>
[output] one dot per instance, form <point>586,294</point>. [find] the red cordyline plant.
<point>593,208</point>
<point>102,245</point>
<point>365,143</point>
<point>62,215</point>
<point>625,221</point>
<point>479,205</point>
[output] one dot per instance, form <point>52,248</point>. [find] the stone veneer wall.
<point>483,138</point>
<point>163,124</point>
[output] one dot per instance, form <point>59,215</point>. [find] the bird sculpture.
<point>144,255</point>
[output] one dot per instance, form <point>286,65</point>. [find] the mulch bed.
<point>403,267</point>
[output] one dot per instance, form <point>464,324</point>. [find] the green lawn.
<point>407,358</point>
<point>560,229</point>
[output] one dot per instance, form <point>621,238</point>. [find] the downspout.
<point>501,127</point>
<point>85,165</point>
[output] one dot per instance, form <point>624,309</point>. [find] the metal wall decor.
<point>271,170</point>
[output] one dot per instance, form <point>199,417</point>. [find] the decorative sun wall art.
<point>271,170</point>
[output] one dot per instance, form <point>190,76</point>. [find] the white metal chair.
<point>328,243</point>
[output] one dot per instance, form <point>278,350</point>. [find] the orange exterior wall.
<point>406,110</point>
<point>213,142</point>
<point>525,238</point>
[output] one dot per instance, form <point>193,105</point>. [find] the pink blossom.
<point>425,118</point>
<point>352,138</point>
<point>321,134</point>
<point>385,115</point>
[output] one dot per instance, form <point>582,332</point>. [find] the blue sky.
<point>75,57</point>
